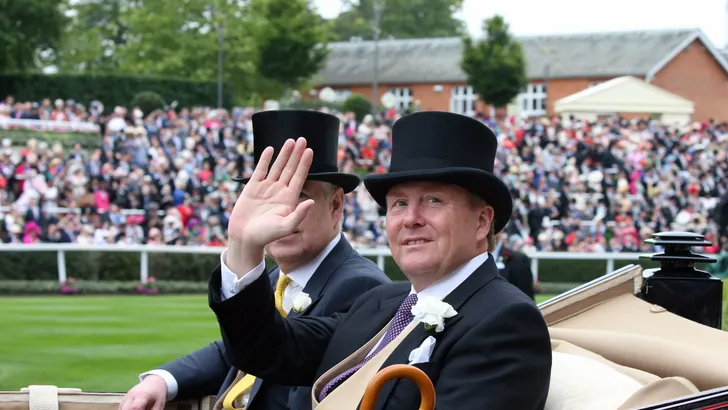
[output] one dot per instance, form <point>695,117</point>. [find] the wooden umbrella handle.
<point>427,390</point>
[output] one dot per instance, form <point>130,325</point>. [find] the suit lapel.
<point>274,274</point>
<point>316,285</point>
<point>374,314</point>
<point>457,298</point>
<point>328,266</point>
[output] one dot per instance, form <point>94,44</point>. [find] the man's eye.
<point>434,200</point>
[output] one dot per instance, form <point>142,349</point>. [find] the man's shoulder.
<point>356,265</point>
<point>498,298</point>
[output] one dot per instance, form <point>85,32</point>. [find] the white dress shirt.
<point>444,287</point>
<point>438,290</point>
<point>231,285</point>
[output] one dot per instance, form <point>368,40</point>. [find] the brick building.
<point>680,61</point>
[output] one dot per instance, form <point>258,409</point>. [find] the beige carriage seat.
<point>607,319</point>
<point>583,380</point>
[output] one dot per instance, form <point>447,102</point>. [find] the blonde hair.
<point>490,239</point>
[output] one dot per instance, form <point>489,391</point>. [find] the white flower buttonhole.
<point>300,301</point>
<point>432,312</point>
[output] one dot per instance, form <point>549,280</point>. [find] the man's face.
<point>433,229</point>
<point>315,232</point>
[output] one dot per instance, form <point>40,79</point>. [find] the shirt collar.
<point>443,288</point>
<point>303,274</point>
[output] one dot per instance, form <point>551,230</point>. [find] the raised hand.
<point>268,208</point>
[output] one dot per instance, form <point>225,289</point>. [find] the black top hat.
<point>445,147</point>
<point>273,128</point>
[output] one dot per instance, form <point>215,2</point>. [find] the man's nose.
<point>414,216</point>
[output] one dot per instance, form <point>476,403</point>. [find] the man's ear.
<point>337,203</point>
<point>485,222</point>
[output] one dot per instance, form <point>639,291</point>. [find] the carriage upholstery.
<point>643,353</point>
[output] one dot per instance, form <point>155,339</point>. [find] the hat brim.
<point>347,182</point>
<point>482,183</point>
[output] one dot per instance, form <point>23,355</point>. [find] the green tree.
<point>95,33</point>
<point>400,19</point>
<point>180,39</point>
<point>291,44</point>
<point>495,66</point>
<point>28,31</point>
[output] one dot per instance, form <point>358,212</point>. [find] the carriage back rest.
<point>605,318</point>
<point>633,333</point>
<point>627,280</point>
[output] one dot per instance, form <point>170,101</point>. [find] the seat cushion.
<point>581,383</point>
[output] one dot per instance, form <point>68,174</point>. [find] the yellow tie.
<point>246,383</point>
<point>283,281</point>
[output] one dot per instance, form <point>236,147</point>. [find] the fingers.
<point>294,162</point>
<point>299,177</point>
<point>281,160</point>
<point>135,403</point>
<point>291,222</point>
<point>262,168</point>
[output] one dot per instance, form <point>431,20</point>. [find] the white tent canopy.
<point>626,95</point>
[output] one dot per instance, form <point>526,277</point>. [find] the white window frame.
<point>532,102</point>
<point>403,97</point>
<point>463,100</point>
<point>342,95</point>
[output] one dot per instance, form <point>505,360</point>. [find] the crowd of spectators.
<point>163,177</point>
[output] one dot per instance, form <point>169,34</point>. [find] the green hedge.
<point>571,271</point>
<point>20,137</point>
<point>43,287</point>
<point>111,90</point>
<point>107,266</point>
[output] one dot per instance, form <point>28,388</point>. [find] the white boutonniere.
<point>432,312</point>
<point>300,301</point>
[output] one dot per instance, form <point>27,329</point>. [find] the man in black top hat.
<point>317,274</point>
<point>482,342</point>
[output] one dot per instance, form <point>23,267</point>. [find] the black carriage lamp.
<point>677,285</point>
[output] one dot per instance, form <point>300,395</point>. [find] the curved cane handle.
<point>427,390</point>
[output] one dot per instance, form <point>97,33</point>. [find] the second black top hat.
<point>321,130</point>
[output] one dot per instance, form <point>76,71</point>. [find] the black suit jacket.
<point>340,279</point>
<point>495,354</point>
<point>517,270</point>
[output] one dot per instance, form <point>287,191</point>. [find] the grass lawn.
<point>98,343</point>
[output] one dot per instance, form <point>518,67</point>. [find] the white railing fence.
<point>47,125</point>
<point>380,253</point>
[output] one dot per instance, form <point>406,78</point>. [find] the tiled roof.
<point>556,56</point>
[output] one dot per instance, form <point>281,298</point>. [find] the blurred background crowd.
<point>163,177</point>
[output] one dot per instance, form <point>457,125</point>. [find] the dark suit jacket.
<point>517,270</point>
<point>340,279</point>
<point>495,354</point>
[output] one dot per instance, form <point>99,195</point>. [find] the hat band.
<point>429,163</point>
<point>319,168</point>
<point>420,163</point>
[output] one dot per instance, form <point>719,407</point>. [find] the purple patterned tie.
<point>402,318</point>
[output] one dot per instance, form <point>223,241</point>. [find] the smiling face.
<point>318,228</point>
<point>435,228</point>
